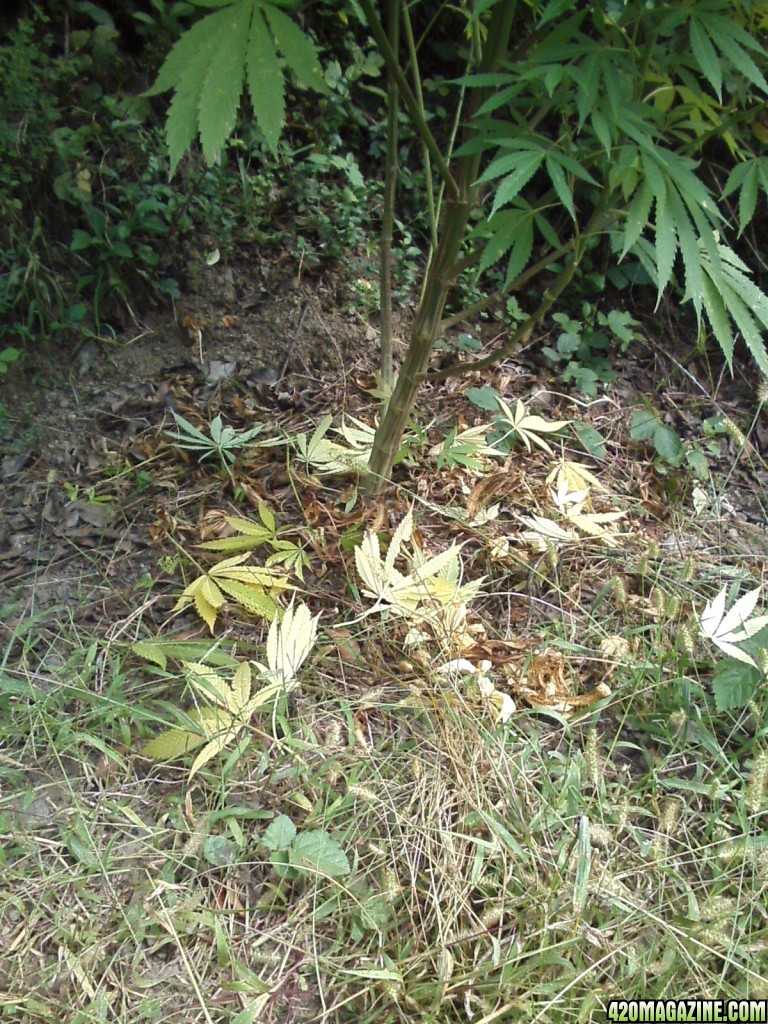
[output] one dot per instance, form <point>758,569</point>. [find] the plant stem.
<point>415,112</point>
<point>426,327</point>
<point>597,223</point>
<point>388,214</point>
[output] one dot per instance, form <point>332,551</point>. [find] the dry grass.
<point>527,871</point>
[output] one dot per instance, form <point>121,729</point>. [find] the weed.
<point>221,442</point>
<point>582,348</point>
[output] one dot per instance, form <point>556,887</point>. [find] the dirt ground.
<point>86,489</point>
<point>81,495</point>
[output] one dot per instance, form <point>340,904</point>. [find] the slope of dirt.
<point>80,490</point>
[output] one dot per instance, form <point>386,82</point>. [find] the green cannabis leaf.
<point>207,66</point>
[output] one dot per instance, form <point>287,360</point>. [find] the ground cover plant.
<point>489,748</point>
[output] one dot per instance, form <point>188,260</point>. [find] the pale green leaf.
<point>265,81</point>
<point>734,684</point>
<point>266,516</point>
<point>172,744</point>
<point>279,834</point>
<point>317,851</point>
<point>706,57</point>
<point>298,49</point>
<point>150,652</point>
<point>233,545</point>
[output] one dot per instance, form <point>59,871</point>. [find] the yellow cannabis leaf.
<point>250,586</point>
<point>573,477</point>
<point>229,705</point>
<point>436,578</point>
<point>248,534</point>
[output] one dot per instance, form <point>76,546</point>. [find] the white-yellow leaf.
<point>403,532</point>
<point>575,476</point>
<point>595,524</point>
<point>725,629</point>
<point>379,584</point>
<point>547,529</point>
<point>503,705</point>
<point>289,643</point>
<point>567,500</point>
<point>241,686</point>
<point>530,426</point>
<point>360,436</point>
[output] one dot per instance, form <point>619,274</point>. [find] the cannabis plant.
<point>582,124</point>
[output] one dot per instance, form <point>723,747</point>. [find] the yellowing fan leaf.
<point>249,585</point>
<point>252,598</point>
<point>248,534</point>
<point>241,685</point>
<point>210,685</point>
<point>597,524</point>
<point>205,609</point>
<point>572,476</point>
<point>254,575</point>
<point>529,426</point>
<point>172,744</point>
<point>214,747</point>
